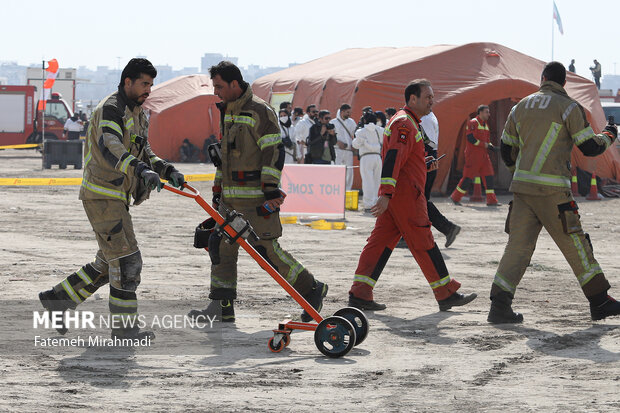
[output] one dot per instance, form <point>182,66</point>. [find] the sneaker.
<point>222,310</point>
<point>315,299</point>
<point>133,333</point>
<point>365,304</point>
<point>610,307</point>
<point>51,302</point>
<point>451,235</point>
<point>501,310</point>
<point>455,300</point>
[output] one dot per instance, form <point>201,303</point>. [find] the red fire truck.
<point>21,122</point>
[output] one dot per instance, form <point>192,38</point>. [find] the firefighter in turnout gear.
<point>536,144</point>
<point>118,165</point>
<point>248,181</point>
<point>477,161</point>
<point>401,209</point>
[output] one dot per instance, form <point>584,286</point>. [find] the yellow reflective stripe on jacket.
<point>128,123</point>
<point>218,174</point>
<point>266,170</point>
<point>364,279</point>
<point>112,125</point>
<point>583,135</point>
<point>248,120</point>
<point>568,110</point>
<point>242,191</point>
<point>88,156</point>
<point>541,179</point>
<point>502,283</point>
<point>155,159</point>
<point>125,164</point>
<point>509,139</point>
<point>545,147</point>
<point>442,282</point>
<point>104,191</point>
<point>419,136</point>
<point>269,140</point>
<point>388,181</point>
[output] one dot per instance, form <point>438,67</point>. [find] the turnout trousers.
<point>269,229</point>
<point>117,262</point>
<point>405,217</point>
<point>557,213</point>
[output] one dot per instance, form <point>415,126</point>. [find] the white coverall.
<point>344,133</point>
<point>368,141</point>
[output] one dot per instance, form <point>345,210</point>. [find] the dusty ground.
<point>414,359</point>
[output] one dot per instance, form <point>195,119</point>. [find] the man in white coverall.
<point>368,141</point>
<point>345,128</point>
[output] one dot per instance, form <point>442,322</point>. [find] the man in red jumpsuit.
<point>477,162</point>
<point>401,209</point>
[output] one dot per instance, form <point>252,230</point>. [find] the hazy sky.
<point>275,33</point>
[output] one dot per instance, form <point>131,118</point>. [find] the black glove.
<point>176,179</point>
<point>493,148</point>
<point>151,179</point>
<point>613,129</point>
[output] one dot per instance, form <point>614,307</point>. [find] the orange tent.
<point>463,77</point>
<point>180,108</point>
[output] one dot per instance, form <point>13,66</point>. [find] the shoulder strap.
<point>345,128</point>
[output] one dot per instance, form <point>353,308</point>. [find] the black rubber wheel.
<point>334,336</point>
<point>278,348</point>
<point>62,166</point>
<point>359,321</point>
<point>286,340</point>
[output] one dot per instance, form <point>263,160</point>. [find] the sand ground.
<point>415,359</point>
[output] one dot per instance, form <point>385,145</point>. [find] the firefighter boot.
<point>360,296</point>
<point>455,300</point>
<point>603,307</point>
<point>223,310</point>
<point>51,302</point>
<point>492,199</point>
<point>132,333</point>
<point>501,310</point>
<point>315,299</point>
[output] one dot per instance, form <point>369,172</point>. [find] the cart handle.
<point>194,192</point>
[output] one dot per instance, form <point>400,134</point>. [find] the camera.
<point>330,126</point>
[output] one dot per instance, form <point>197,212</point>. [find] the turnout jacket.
<point>252,150</point>
<point>117,151</point>
<point>478,134</point>
<point>538,138</point>
<point>404,168</point>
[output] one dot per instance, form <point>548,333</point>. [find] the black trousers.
<point>439,221</point>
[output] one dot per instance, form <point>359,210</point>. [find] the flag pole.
<point>552,32</point>
<point>43,105</point>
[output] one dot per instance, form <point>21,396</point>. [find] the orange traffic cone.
<point>574,188</point>
<point>593,195</point>
<point>477,195</point>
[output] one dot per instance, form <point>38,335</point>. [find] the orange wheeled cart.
<point>334,336</point>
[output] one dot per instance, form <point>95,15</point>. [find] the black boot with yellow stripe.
<point>222,310</point>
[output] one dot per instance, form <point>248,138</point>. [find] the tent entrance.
<point>500,109</point>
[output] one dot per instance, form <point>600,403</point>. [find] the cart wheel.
<point>278,348</point>
<point>334,336</point>
<point>359,321</point>
<point>286,340</point>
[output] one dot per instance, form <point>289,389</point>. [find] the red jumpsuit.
<point>477,161</point>
<point>403,178</point>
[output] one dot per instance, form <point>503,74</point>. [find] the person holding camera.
<point>536,145</point>
<point>322,140</point>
